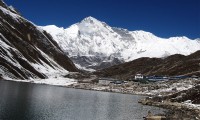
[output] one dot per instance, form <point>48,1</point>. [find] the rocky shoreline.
<point>176,110</point>
<point>96,87</point>
<point>184,105</point>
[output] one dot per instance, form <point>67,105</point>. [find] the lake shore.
<point>176,110</point>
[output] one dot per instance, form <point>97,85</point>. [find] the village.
<point>139,78</point>
<point>138,84</point>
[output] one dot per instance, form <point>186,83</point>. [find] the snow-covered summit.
<point>90,19</point>
<point>92,43</point>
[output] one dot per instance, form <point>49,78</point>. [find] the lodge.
<point>140,77</point>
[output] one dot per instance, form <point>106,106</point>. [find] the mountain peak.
<point>92,26</point>
<point>90,20</point>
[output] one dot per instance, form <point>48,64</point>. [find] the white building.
<point>139,77</point>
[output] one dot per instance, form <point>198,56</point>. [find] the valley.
<point>92,55</point>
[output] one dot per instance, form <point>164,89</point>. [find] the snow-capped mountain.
<point>26,51</point>
<point>94,44</point>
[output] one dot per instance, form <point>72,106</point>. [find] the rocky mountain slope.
<point>27,51</point>
<point>172,65</point>
<point>94,44</point>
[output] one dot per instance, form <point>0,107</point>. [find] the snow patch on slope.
<point>50,72</point>
<point>50,81</point>
<point>13,15</point>
<point>42,67</point>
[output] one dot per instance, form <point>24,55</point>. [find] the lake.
<point>26,101</point>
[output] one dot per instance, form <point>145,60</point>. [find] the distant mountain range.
<point>94,44</point>
<point>170,66</point>
<point>28,52</point>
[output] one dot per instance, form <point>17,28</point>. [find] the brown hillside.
<point>170,66</point>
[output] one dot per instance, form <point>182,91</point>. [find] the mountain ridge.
<point>96,39</point>
<point>28,52</point>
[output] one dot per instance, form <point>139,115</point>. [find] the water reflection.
<point>25,101</point>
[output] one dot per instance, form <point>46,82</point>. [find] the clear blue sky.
<point>164,18</point>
